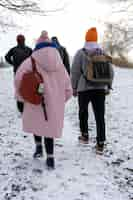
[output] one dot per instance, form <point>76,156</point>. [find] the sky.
<point>69,25</point>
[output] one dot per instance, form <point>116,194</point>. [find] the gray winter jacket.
<point>78,70</point>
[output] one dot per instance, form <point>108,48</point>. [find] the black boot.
<point>38,152</point>
<point>100,148</point>
<point>84,138</point>
<point>50,163</point>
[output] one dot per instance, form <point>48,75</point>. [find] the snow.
<point>80,174</point>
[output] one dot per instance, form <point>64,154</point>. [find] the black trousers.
<point>49,143</point>
<point>97,98</point>
<point>20,106</point>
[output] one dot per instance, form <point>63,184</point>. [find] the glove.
<point>75,93</point>
<point>107,92</point>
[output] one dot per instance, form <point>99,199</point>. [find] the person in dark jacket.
<point>88,91</point>
<point>16,56</point>
<point>63,53</point>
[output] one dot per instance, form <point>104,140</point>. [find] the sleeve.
<point>68,87</point>
<point>8,56</point>
<point>76,70</point>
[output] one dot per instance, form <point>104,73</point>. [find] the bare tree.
<point>118,37</point>
<point>21,7</point>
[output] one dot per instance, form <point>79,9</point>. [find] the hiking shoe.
<point>83,139</point>
<point>99,149</point>
<point>38,152</point>
<point>50,163</point>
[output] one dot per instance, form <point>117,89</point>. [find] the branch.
<point>26,6</point>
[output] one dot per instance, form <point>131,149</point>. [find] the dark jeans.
<point>97,98</point>
<point>20,106</point>
<point>49,143</point>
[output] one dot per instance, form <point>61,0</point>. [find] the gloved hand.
<point>107,92</point>
<point>75,93</point>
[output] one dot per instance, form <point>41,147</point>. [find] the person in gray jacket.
<point>88,91</point>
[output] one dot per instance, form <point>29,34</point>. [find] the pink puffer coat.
<point>58,90</point>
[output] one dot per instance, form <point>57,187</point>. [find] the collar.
<point>44,44</point>
<point>91,45</point>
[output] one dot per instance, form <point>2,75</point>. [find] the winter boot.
<point>84,138</point>
<point>100,148</point>
<point>38,152</point>
<point>50,163</point>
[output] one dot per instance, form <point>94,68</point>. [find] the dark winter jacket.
<point>63,53</point>
<point>17,55</point>
<point>65,58</point>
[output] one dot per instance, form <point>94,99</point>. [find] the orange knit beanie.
<point>91,35</point>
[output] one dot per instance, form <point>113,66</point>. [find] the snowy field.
<point>80,174</point>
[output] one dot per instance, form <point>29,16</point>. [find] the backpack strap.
<point>86,53</point>
<point>88,57</point>
<point>42,103</point>
<point>33,62</point>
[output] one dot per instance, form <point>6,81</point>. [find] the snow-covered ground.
<point>80,174</point>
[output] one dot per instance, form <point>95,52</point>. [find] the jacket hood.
<point>93,48</point>
<point>47,58</point>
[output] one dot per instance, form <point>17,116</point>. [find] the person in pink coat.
<point>57,90</point>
